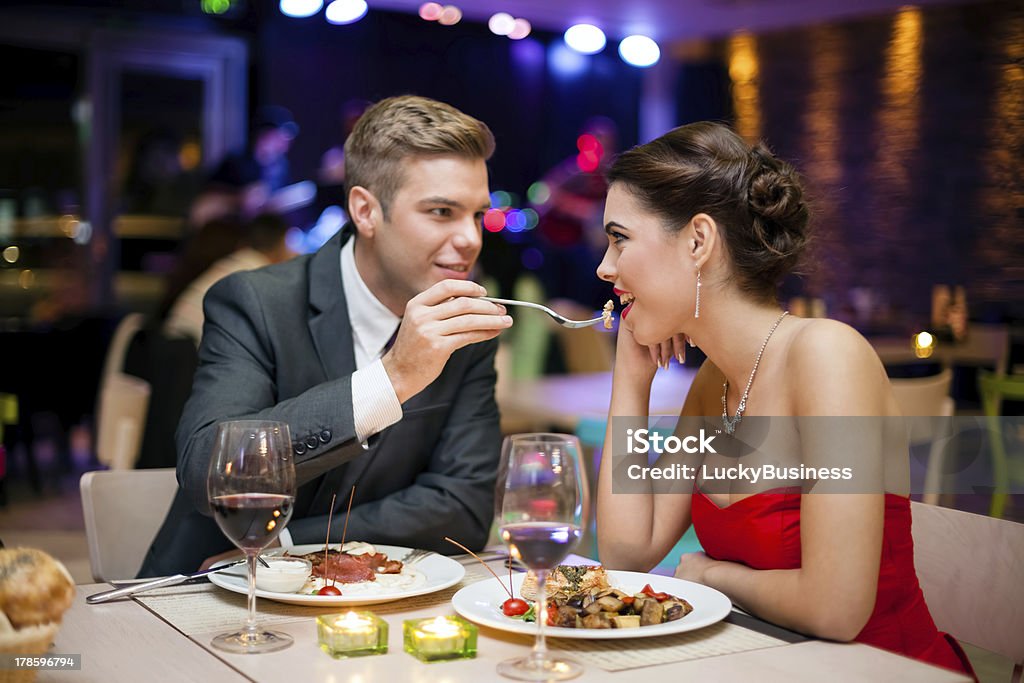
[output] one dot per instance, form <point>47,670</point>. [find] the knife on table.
<point>107,596</point>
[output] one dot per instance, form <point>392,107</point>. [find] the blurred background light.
<point>564,61</point>
<point>639,51</point>
<point>450,15</point>
<point>538,193</point>
<point>215,6</point>
<point>531,218</point>
<point>345,11</point>
<point>515,220</point>
<point>11,254</point>
<point>300,8</point>
<point>494,220</point>
<point>520,30</point>
<point>585,38</point>
<point>431,11</point>
<point>501,23</point>
<point>501,199</point>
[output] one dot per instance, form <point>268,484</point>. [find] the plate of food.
<point>363,574</point>
<point>594,603</point>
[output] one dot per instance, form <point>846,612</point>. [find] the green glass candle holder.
<point>354,634</point>
<point>439,638</point>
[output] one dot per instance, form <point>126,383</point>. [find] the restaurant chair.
<point>123,511</point>
<point>1006,469</point>
<point>971,569</point>
<point>123,402</point>
<point>919,397</point>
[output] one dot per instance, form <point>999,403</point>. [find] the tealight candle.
<point>438,638</point>
<point>352,635</point>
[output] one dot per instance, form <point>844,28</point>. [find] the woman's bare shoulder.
<point>834,369</point>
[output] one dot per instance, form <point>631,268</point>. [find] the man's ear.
<point>365,210</point>
<point>704,239</point>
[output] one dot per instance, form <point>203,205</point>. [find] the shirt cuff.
<point>286,538</point>
<point>374,401</point>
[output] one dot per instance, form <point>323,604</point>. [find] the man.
<point>307,342</point>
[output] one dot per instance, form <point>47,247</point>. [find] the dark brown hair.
<point>755,198</point>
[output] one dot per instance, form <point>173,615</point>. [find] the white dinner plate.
<point>481,603</point>
<point>440,572</point>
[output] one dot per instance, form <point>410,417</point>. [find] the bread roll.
<point>34,588</point>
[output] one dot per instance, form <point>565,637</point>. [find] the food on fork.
<point>606,313</point>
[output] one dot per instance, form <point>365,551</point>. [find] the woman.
<point>701,229</point>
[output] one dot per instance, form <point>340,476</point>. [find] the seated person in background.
<point>263,244</point>
<point>701,229</point>
<point>307,342</point>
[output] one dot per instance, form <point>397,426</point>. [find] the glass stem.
<point>540,649</point>
<point>250,562</point>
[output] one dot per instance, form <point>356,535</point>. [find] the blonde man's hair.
<point>400,127</point>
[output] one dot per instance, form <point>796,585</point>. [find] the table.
<point>985,345</point>
<point>125,641</point>
<point>561,401</point>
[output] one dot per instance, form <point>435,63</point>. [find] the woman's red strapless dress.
<point>763,532</point>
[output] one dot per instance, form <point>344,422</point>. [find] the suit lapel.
<point>329,324</point>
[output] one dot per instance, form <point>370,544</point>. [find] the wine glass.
<point>542,504</point>
<point>251,489</point>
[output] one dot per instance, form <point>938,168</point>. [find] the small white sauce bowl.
<point>284,575</point>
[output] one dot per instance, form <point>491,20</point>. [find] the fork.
<point>414,556</point>
<point>560,319</point>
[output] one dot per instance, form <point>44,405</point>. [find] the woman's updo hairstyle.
<point>755,198</point>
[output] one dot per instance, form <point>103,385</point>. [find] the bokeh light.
<point>521,29</point>
<point>11,254</point>
<point>501,199</point>
<point>494,220</point>
<point>538,193</point>
<point>564,61</point>
<point>515,221</point>
<point>639,51</point>
<point>300,8</point>
<point>215,6</point>
<point>431,11</point>
<point>501,23</point>
<point>531,218</point>
<point>450,15</point>
<point>585,38</point>
<point>345,11</point>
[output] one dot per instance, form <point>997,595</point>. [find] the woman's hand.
<point>673,347</point>
<point>692,567</point>
<point>639,362</point>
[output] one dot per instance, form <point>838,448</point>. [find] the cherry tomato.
<point>514,607</point>
<point>329,590</point>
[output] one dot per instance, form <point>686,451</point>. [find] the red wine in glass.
<point>252,520</point>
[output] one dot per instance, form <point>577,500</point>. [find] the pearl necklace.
<point>730,425</point>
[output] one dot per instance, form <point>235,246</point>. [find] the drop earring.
<point>696,311</point>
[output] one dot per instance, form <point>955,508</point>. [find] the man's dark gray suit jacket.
<point>277,344</point>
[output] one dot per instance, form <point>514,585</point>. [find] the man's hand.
<point>438,322</point>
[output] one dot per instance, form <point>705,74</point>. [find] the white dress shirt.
<point>374,402</point>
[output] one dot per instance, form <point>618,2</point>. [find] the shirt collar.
<point>372,322</point>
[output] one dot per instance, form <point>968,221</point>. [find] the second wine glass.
<point>542,504</point>
<point>251,489</point>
